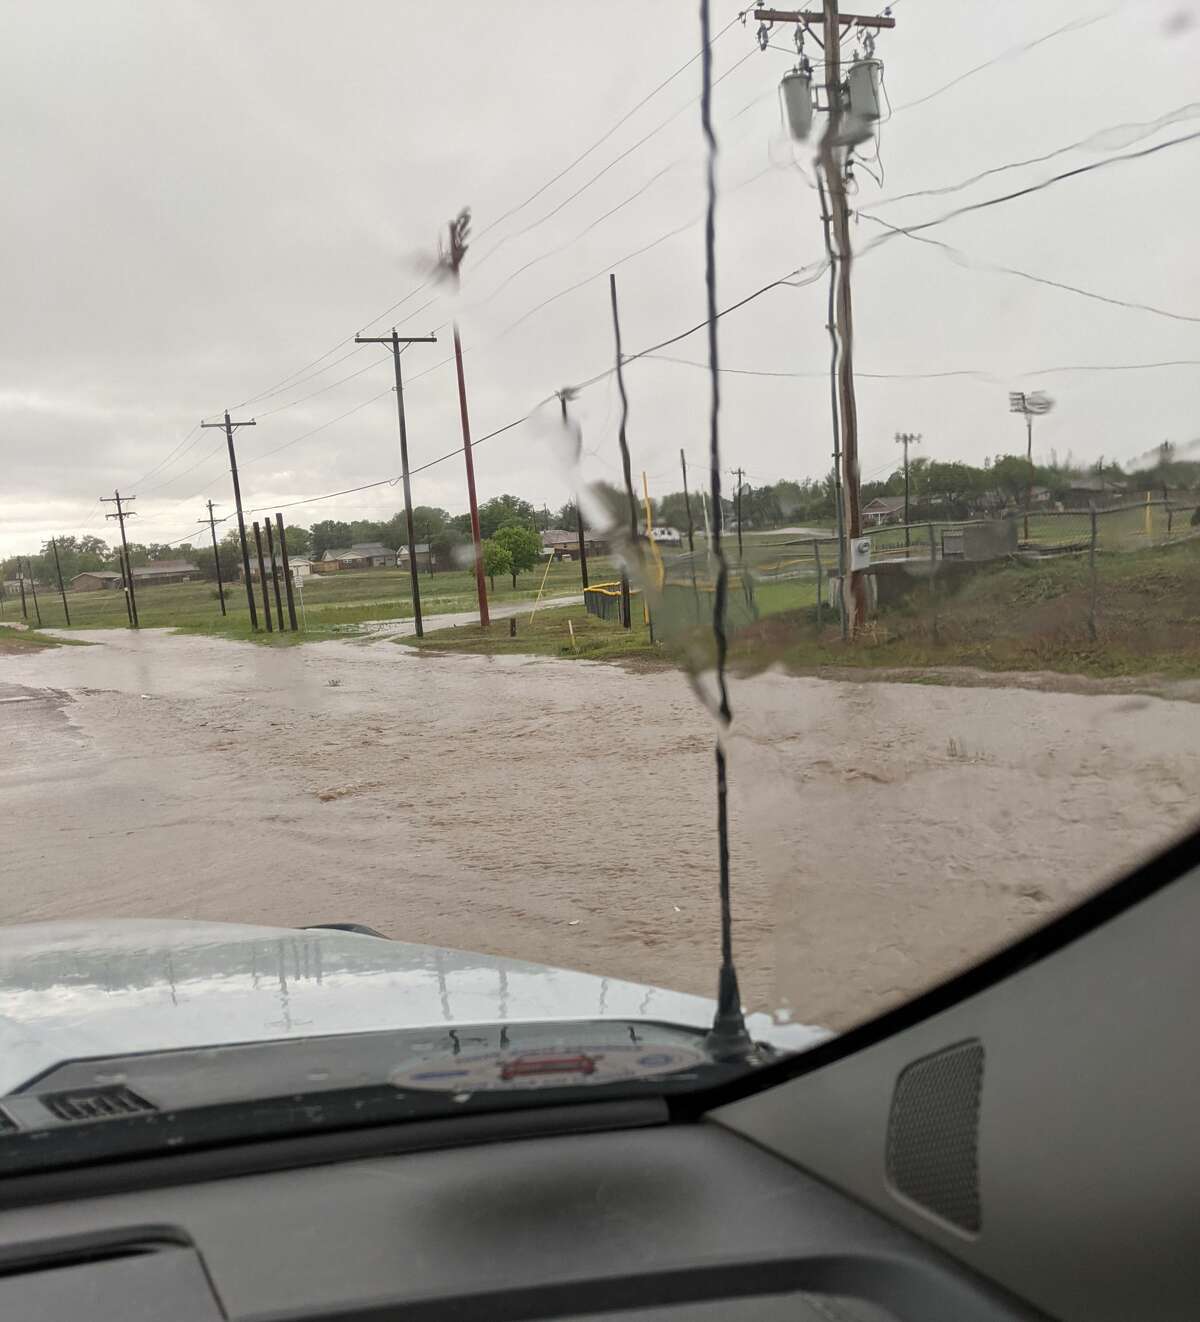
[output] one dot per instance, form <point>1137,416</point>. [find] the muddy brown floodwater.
<point>563,812</point>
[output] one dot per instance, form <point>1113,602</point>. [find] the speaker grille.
<point>933,1133</point>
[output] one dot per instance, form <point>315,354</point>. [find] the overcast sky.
<point>201,198</point>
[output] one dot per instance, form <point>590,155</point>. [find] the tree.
<point>1013,474</point>
<point>495,513</point>
<point>523,545</point>
<point>496,560</point>
<point>299,540</point>
<point>328,534</point>
<point>567,516</point>
<point>450,547</point>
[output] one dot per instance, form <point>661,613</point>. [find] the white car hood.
<point>80,990</point>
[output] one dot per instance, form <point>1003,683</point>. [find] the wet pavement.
<point>563,812</point>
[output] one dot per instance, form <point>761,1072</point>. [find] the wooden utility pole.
<point>626,620</point>
<point>262,577</point>
<point>287,571</point>
<point>906,438</point>
<point>274,571</point>
<point>229,428</point>
<point>62,592</point>
<point>394,341</point>
<point>563,396</point>
<point>459,228</point>
<point>687,504</point>
<point>121,515</point>
<point>37,610</point>
<point>212,527</point>
<point>833,158</point>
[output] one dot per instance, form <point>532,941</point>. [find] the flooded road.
<point>563,812</point>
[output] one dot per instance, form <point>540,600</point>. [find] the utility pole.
<point>212,527</point>
<point>737,497</point>
<point>563,396</point>
<point>626,620</point>
<point>121,515</point>
<point>395,341</point>
<point>287,570</point>
<point>37,610</point>
<point>274,571</point>
<point>453,257</point>
<point>834,158</point>
<point>21,585</point>
<point>906,439</point>
<point>1030,405</point>
<point>262,577</point>
<point>687,504</point>
<point>230,427</point>
<point>62,592</point>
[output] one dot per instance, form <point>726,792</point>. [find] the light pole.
<point>1030,405</point>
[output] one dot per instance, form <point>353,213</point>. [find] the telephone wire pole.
<point>212,526</point>
<point>906,439</point>
<point>230,427</point>
<point>121,515</point>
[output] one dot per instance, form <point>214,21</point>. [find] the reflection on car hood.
<point>78,990</point>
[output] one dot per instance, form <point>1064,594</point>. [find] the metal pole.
<point>831,327</point>
<point>62,592</point>
<point>687,503</point>
<point>262,577</point>
<point>212,528</point>
<point>287,570</point>
<point>932,584</point>
<point>480,587</point>
<point>1029,461</point>
<point>33,588</point>
<point>414,573</point>
<point>738,500</point>
<point>817,558</point>
<point>274,571</point>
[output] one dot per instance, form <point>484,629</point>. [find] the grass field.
<point>1010,616</point>
<point>333,603</point>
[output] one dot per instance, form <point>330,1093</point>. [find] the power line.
<point>961,258</point>
<point>1133,133</point>
<point>1013,52</point>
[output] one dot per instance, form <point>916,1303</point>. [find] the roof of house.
<point>420,547</point>
<point>1095,484</point>
<point>558,537</point>
<point>373,548</point>
<point>91,573</point>
<point>165,567</point>
<point>893,504</point>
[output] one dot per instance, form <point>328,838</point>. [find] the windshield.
<point>715,547</point>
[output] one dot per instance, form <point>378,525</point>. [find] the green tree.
<point>451,547</point>
<point>328,534</point>
<point>495,513</point>
<point>496,560</point>
<point>523,545</point>
<point>299,540</point>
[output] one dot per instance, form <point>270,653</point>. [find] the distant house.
<point>95,580</point>
<point>300,565</point>
<point>883,509</point>
<point>665,536</point>
<point>1098,490</point>
<point>362,555</point>
<point>563,544</point>
<point>164,571</point>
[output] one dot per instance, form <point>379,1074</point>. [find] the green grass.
<point>334,604</point>
<point>1010,616</point>
<point>18,640</point>
<point>548,635</point>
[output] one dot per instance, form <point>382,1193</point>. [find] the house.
<point>425,557</point>
<point>563,543</point>
<point>300,565</point>
<point>1097,490</point>
<point>164,571</point>
<point>362,555</point>
<point>95,580</point>
<point>666,536</point>
<point>883,509</point>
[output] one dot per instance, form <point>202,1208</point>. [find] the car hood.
<point>86,990</point>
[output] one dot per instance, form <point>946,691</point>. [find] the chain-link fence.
<point>1098,589</point>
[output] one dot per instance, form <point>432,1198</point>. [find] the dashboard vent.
<point>94,1103</point>
<point>933,1134</point>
